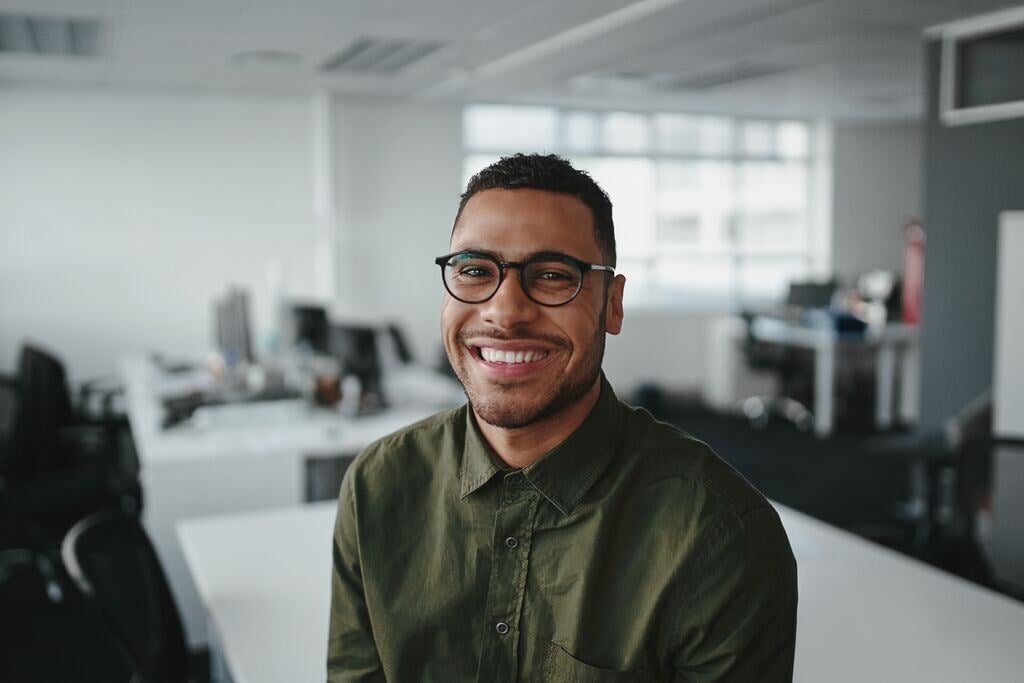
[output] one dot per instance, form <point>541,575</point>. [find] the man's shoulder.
<point>421,432</point>
<point>694,473</point>
<point>412,447</point>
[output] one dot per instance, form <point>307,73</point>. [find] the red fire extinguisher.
<point>913,273</point>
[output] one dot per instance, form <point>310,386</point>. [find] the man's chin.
<point>505,416</point>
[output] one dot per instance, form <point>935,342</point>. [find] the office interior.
<point>217,232</point>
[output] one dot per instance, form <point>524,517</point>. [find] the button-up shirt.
<point>630,552</point>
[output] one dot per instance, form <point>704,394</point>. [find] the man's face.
<point>567,342</point>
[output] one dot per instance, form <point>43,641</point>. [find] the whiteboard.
<point>1008,382</point>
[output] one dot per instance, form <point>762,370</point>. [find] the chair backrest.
<point>111,561</point>
<point>971,427</point>
<point>400,343</point>
<point>10,397</point>
<point>45,404</point>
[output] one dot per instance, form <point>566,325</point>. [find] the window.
<point>708,209</point>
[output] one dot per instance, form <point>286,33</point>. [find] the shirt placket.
<point>510,548</point>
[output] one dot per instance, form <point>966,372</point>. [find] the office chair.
<point>948,475</point>
<point>57,465</point>
<point>113,565</point>
<point>9,396</point>
<point>792,366</point>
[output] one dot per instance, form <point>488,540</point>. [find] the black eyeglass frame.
<point>584,267</point>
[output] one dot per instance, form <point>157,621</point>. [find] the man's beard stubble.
<point>507,415</point>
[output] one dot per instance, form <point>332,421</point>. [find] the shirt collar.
<point>564,474</point>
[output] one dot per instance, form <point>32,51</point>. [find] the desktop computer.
<point>232,328</point>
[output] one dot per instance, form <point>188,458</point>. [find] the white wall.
<point>667,348</point>
<point>123,214</point>
<point>877,186</point>
<point>399,171</point>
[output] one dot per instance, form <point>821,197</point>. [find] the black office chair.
<point>948,476</point>
<point>113,565</point>
<point>57,465</point>
<point>793,367</point>
<point>401,345</point>
<point>9,399</point>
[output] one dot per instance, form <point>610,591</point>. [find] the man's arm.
<point>738,620</point>
<point>351,650</point>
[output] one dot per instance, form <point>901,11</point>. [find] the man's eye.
<point>551,276</point>
<point>473,272</point>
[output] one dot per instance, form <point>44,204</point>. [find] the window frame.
<point>817,224</point>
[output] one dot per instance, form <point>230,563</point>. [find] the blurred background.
<point>217,229</point>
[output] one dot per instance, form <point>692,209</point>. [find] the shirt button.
<point>501,627</point>
<point>511,541</point>
<point>515,479</point>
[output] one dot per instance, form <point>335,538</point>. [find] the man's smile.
<point>492,355</point>
<point>510,359</point>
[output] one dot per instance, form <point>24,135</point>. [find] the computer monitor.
<point>307,326</point>
<point>811,294</point>
<point>355,347</point>
<point>231,326</point>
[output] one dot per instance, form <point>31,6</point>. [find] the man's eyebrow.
<point>478,250</point>
<point>527,257</point>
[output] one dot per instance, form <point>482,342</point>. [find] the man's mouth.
<point>508,357</point>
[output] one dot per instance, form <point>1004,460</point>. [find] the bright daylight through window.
<point>709,210</point>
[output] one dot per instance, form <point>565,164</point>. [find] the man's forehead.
<point>513,201</point>
<point>524,221</point>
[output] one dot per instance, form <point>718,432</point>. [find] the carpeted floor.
<point>836,480</point>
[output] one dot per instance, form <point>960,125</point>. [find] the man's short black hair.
<point>555,174</point>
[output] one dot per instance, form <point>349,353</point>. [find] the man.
<point>546,531</point>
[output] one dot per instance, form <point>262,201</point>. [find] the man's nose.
<point>509,307</point>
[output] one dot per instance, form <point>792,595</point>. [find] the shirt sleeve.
<point>351,650</point>
<point>738,619</point>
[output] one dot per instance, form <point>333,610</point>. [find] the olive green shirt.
<point>631,552</point>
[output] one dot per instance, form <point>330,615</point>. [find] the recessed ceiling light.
<point>269,58</point>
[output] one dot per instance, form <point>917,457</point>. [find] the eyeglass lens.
<point>473,278</point>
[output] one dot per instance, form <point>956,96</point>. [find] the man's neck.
<point>521,447</point>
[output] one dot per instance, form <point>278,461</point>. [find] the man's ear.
<point>613,305</point>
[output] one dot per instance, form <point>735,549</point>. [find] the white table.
<point>866,613</point>
<point>245,456</point>
<point>895,346</point>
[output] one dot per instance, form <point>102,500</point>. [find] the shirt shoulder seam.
<point>735,507</point>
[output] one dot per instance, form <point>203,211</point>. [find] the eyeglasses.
<point>548,278</point>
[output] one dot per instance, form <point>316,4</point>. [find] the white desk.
<point>245,456</point>
<point>896,345</point>
<point>866,613</point>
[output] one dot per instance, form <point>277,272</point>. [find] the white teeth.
<point>510,357</point>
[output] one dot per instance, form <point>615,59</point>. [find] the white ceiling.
<point>836,58</point>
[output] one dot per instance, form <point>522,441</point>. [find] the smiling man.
<point>545,531</point>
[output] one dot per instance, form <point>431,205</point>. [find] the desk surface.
<point>866,613</point>
<point>779,331</point>
<point>271,427</point>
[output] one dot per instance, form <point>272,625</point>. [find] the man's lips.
<point>502,355</point>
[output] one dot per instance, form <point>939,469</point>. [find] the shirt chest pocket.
<point>562,667</point>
